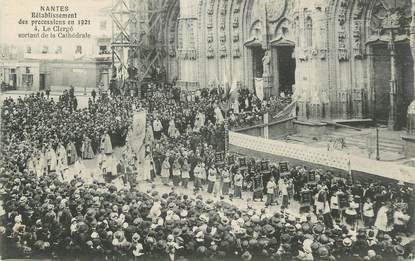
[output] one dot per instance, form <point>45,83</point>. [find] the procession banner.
<point>137,139</point>
<point>259,88</point>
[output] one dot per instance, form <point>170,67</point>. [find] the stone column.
<point>187,43</point>
<point>266,126</point>
<point>392,84</point>
<point>267,75</point>
<point>411,108</point>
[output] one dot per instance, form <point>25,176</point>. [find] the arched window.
<point>309,32</point>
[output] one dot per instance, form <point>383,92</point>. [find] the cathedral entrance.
<point>285,69</point>
<point>381,82</point>
<point>257,55</point>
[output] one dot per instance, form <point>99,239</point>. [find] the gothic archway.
<point>171,34</point>
<point>255,52</point>
<point>283,53</point>
<point>391,62</point>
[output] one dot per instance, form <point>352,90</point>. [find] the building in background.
<point>57,65</point>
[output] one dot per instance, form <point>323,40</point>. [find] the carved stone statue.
<point>266,63</point>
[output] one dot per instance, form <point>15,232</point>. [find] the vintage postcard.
<point>207,130</point>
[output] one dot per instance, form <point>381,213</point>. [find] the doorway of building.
<point>42,81</point>
<point>286,69</point>
<point>13,81</point>
<point>405,74</point>
<point>381,81</point>
<point>257,55</point>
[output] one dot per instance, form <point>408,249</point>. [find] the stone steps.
<point>387,143</point>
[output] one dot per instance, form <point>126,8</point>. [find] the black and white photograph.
<point>187,130</point>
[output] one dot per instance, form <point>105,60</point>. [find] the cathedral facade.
<point>340,59</point>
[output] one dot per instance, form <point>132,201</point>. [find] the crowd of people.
<point>50,215</point>
<point>42,130</point>
<point>248,109</point>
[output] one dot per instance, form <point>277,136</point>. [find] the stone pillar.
<point>411,108</point>
<point>266,126</point>
<point>187,47</point>
<point>267,74</point>
<point>392,83</point>
<point>409,139</point>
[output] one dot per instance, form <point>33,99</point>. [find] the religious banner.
<point>287,112</point>
<point>137,136</point>
<point>259,88</point>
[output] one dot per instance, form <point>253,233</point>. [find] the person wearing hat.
<point>148,166</point>
<point>176,172</point>
<point>51,159</point>
<point>172,130</point>
<point>86,148</point>
<point>271,188</point>
<point>283,187</point>
<point>226,181</point>
<point>157,128</point>
<point>137,247</point>
<point>400,221</point>
<point>345,252</point>
<point>200,175</point>
<point>217,188</point>
<point>384,218</point>
<point>40,163</point>
<point>368,212</point>
<point>185,171</point>
<point>106,144</point>
<point>18,228</point>
<point>61,157</point>
<point>71,153</point>
<point>246,256</point>
<point>165,171</point>
<point>351,213</point>
<point>320,199</point>
<point>238,182</point>
<point>211,178</point>
<point>334,205</point>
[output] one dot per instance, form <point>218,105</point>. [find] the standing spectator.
<point>199,176</point>
<point>211,178</point>
<point>238,182</point>
<point>185,173</point>
<point>226,181</point>
<point>176,172</point>
<point>400,220</point>
<point>383,222</point>
<point>368,212</point>
<point>217,188</point>
<point>106,144</point>
<point>271,187</point>
<point>165,171</point>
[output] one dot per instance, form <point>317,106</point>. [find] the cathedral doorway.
<point>257,65</point>
<point>285,63</point>
<point>381,71</point>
